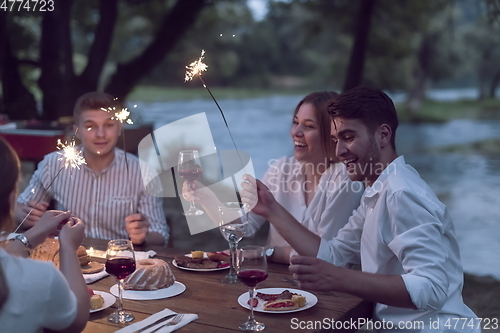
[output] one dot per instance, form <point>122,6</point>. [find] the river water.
<point>468,183</point>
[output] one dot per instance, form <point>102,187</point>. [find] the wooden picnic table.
<point>216,303</point>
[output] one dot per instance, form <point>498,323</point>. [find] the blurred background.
<point>438,59</point>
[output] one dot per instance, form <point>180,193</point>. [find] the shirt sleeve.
<point>151,206</point>
<point>343,199</point>
<point>61,307</point>
<point>421,245</point>
<point>344,249</point>
<point>36,185</point>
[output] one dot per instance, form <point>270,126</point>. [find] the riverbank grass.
<point>438,111</point>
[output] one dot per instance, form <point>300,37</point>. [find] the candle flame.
<point>195,68</point>
<point>71,156</point>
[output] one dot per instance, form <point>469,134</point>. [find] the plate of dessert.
<point>200,261</point>
<point>279,300</point>
<point>100,300</point>
<point>152,279</point>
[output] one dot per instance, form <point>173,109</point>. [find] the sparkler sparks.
<point>195,68</point>
<point>122,116</point>
<point>71,156</point>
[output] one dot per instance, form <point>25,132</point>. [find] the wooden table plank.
<point>216,303</point>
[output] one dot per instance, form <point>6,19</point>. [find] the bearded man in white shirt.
<point>401,234</point>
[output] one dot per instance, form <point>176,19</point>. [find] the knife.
<point>156,322</point>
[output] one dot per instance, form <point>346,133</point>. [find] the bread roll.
<point>49,251</point>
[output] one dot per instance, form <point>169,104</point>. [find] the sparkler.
<point>121,116</point>
<point>72,158</point>
<point>195,69</point>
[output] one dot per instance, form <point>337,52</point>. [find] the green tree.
<point>59,83</point>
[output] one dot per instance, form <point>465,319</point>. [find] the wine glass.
<point>251,268</point>
<point>120,262</point>
<point>233,225</point>
<point>190,169</point>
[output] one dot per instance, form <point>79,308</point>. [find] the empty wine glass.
<point>232,224</point>
<point>251,268</point>
<point>190,169</point>
<point>120,262</point>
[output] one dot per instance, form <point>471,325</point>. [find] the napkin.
<point>91,278</point>
<point>189,317</point>
<point>144,254</point>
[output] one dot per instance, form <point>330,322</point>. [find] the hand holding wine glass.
<point>120,262</point>
<point>190,169</point>
<point>251,269</point>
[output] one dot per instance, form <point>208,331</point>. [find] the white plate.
<point>174,290</point>
<point>199,269</point>
<point>108,300</point>
<point>311,300</point>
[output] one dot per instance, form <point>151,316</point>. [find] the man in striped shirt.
<point>107,193</point>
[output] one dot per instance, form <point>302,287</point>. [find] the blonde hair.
<point>94,101</point>
<point>9,171</point>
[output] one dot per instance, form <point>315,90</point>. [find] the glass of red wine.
<point>251,268</point>
<point>189,170</point>
<point>120,262</point>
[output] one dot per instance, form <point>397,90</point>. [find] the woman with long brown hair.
<point>34,295</point>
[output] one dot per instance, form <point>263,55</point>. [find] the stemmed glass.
<point>233,226</point>
<point>120,262</point>
<point>251,268</point>
<point>190,169</point>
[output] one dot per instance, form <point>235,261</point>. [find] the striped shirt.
<point>101,200</point>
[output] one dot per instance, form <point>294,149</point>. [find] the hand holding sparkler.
<point>72,158</point>
<point>33,210</point>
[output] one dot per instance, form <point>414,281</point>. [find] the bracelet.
<point>23,239</point>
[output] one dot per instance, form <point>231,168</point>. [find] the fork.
<point>177,319</point>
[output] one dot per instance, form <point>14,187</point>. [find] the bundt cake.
<point>150,274</point>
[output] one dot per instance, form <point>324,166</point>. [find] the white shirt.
<point>402,228</point>
<point>101,200</point>
<point>39,296</point>
<point>335,199</point>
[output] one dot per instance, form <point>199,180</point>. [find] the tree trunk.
<point>484,72</point>
<point>355,70</point>
<point>88,80</point>
<point>53,60</point>
<point>494,84</point>
<point>417,94</point>
<point>179,19</point>
<point>103,37</point>
<point>18,102</point>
